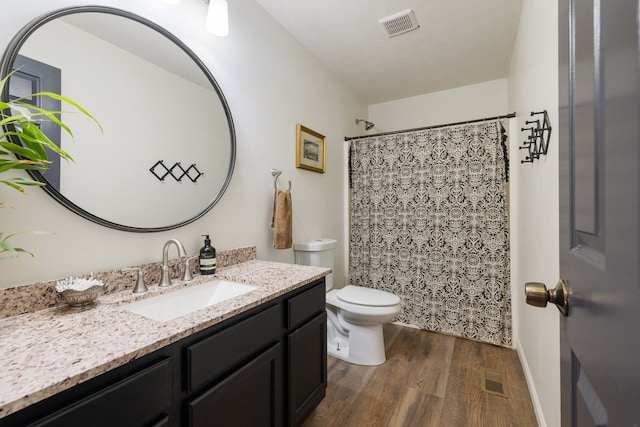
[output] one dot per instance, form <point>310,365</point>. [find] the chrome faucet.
<point>165,280</point>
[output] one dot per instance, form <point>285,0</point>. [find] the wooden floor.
<point>429,379</point>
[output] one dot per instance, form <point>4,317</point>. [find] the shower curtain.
<point>429,223</point>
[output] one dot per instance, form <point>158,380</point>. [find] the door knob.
<point>538,295</point>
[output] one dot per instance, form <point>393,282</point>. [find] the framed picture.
<point>310,150</point>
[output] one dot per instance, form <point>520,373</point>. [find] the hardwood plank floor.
<point>429,379</point>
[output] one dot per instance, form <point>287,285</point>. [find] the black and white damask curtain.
<point>429,223</point>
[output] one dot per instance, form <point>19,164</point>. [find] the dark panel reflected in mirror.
<point>168,148</point>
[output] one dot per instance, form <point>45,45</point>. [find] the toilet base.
<point>363,345</point>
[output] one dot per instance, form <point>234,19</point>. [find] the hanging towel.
<point>281,220</point>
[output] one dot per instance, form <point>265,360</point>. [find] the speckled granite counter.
<point>51,350</point>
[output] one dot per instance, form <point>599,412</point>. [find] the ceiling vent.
<point>400,23</point>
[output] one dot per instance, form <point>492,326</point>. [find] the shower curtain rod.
<point>505,116</point>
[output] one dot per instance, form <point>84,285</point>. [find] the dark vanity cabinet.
<point>264,367</point>
<point>141,393</point>
<point>235,376</point>
<point>275,375</point>
<point>306,344</point>
<point>137,394</point>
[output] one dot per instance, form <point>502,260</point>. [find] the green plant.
<point>22,146</point>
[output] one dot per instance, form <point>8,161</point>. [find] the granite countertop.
<point>51,350</point>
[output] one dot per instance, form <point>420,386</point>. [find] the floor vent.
<point>494,382</point>
<point>400,23</point>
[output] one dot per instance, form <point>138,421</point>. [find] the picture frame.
<point>310,149</point>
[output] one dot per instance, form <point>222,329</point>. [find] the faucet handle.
<point>140,285</point>
<point>187,272</point>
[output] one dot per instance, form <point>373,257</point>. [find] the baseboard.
<point>530,385</point>
<point>407,325</point>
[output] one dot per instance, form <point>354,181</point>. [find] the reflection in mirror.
<point>156,102</point>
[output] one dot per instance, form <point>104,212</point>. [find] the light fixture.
<point>218,18</point>
<point>172,1</point>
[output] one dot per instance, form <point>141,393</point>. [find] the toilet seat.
<point>371,313</point>
<point>367,296</point>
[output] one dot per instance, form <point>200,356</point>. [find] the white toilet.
<point>355,314</point>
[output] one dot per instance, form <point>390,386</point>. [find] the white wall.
<point>533,86</point>
<point>477,101</point>
<point>271,83</point>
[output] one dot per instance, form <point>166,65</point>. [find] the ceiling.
<point>459,42</point>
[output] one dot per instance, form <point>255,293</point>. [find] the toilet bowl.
<point>355,314</point>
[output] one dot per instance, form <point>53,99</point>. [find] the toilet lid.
<point>367,296</point>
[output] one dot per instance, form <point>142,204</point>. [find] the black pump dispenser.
<point>207,257</point>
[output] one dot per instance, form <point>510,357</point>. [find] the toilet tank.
<point>318,253</point>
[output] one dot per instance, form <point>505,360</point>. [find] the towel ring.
<point>276,173</point>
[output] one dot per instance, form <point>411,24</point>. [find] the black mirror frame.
<point>6,65</point>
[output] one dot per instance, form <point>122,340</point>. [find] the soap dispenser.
<point>207,257</point>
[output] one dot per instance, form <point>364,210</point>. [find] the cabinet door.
<point>307,371</point>
<point>250,397</point>
<point>139,400</point>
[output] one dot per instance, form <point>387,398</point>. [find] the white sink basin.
<point>179,303</point>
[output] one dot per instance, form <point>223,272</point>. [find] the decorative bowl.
<point>77,292</point>
<point>83,298</point>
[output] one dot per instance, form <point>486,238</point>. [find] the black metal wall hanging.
<point>538,134</point>
<point>176,171</point>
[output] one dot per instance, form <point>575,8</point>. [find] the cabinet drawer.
<point>305,306</point>
<point>137,400</point>
<point>214,356</point>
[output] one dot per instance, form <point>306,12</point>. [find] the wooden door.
<point>599,214</point>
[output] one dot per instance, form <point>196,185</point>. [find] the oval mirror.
<point>167,152</point>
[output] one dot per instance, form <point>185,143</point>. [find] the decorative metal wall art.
<point>176,171</point>
<point>538,134</point>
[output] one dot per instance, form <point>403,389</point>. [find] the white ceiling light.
<point>218,18</point>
